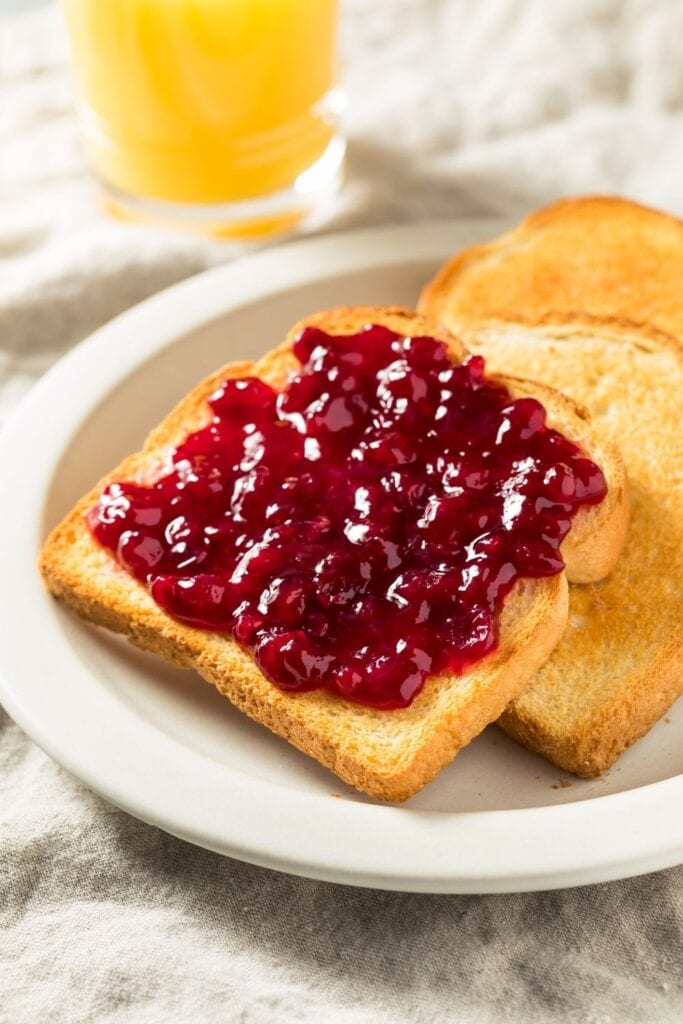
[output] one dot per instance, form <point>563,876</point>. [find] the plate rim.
<point>589,846</point>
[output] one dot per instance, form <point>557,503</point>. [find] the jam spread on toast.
<point>360,528</point>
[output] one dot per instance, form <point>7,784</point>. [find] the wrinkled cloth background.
<point>455,108</point>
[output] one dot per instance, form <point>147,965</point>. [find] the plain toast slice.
<point>619,666</point>
<point>388,754</point>
<point>602,255</point>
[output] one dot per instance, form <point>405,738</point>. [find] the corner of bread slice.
<point>598,533</point>
<point>605,255</point>
<point>390,755</point>
<point>583,720</point>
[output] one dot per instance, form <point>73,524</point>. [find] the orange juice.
<point>204,101</point>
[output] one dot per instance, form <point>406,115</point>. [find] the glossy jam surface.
<point>359,529</point>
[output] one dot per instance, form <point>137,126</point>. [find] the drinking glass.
<point>217,115</point>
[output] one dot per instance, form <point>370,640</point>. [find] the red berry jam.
<point>359,529</point>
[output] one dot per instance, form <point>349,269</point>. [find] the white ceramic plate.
<point>165,746</point>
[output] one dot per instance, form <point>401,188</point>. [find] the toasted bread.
<point>619,666</point>
<point>603,256</point>
<point>388,754</point>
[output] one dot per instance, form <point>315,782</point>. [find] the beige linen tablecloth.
<point>455,108</point>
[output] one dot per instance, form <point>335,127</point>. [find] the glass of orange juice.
<point>217,115</point>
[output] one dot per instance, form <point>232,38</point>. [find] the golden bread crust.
<point>602,255</point>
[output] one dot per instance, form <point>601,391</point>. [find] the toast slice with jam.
<point>387,753</point>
